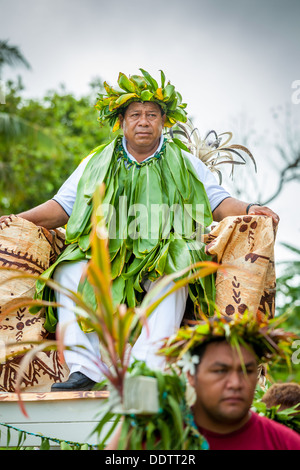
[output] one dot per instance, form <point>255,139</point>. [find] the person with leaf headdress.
<point>158,200</point>
<point>220,358</point>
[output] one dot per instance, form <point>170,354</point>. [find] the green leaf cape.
<point>140,247</point>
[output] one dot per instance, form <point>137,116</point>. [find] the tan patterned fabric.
<point>30,249</point>
<point>246,243</point>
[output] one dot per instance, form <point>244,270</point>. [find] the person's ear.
<point>121,119</point>
<point>191,379</point>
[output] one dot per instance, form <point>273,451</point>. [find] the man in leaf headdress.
<point>156,197</point>
<point>220,357</point>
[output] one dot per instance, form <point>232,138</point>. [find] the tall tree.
<point>33,165</point>
<point>11,56</point>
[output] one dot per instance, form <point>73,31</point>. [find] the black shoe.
<point>76,382</point>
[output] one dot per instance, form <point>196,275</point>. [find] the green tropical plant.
<point>116,326</point>
<point>12,126</point>
<point>171,428</point>
<point>289,416</point>
<point>11,56</point>
<point>288,305</point>
<point>41,142</point>
<point>288,288</point>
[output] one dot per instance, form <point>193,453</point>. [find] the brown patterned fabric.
<point>30,249</point>
<point>246,243</point>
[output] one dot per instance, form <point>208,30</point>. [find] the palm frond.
<point>11,55</point>
<point>14,128</point>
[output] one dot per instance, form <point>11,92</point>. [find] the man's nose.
<point>235,380</point>
<point>143,120</point>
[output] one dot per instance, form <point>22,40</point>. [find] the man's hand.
<point>5,219</point>
<point>264,210</point>
<point>231,206</point>
<point>49,215</point>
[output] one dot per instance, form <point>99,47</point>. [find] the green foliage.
<point>11,55</point>
<point>140,88</point>
<point>172,428</point>
<point>288,289</point>
<point>289,417</point>
<point>288,304</point>
<point>42,142</point>
<point>45,441</point>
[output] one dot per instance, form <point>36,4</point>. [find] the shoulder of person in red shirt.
<point>259,433</point>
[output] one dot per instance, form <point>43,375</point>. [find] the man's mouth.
<point>233,399</point>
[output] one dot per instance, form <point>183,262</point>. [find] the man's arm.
<point>231,206</point>
<point>49,215</point>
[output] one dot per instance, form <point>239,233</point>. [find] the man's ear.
<point>191,379</point>
<point>121,119</point>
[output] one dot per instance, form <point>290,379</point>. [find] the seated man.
<point>141,171</point>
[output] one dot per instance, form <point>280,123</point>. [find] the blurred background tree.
<point>42,141</point>
<point>288,303</point>
<point>11,56</point>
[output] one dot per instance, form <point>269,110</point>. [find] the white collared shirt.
<point>215,193</point>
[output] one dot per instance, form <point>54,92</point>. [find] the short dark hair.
<point>199,350</point>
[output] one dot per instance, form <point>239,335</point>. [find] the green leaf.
<point>139,81</point>
<point>163,78</point>
<point>180,144</point>
<point>123,99</point>
<point>165,433</point>
<point>84,447</point>
<point>45,445</point>
<point>169,92</point>
<point>125,83</point>
<point>65,446</point>
<point>146,95</point>
<point>153,85</point>
<point>22,437</point>
<point>178,115</point>
<point>176,414</point>
<point>8,437</point>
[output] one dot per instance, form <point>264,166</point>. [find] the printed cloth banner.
<point>30,249</point>
<point>247,244</point>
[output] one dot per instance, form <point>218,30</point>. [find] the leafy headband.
<point>265,339</point>
<point>140,88</point>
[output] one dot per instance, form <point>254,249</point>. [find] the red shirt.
<point>259,433</point>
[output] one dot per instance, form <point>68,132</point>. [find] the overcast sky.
<point>233,61</point>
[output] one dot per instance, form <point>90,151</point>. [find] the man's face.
<point>224,391</point>
<point>142,125</point>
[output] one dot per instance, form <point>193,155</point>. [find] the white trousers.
<point>162,323</point>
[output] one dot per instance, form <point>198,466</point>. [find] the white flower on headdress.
<point>188,363</point>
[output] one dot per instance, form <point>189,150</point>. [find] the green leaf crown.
<point>140,88</point>
<point>261,336</point>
